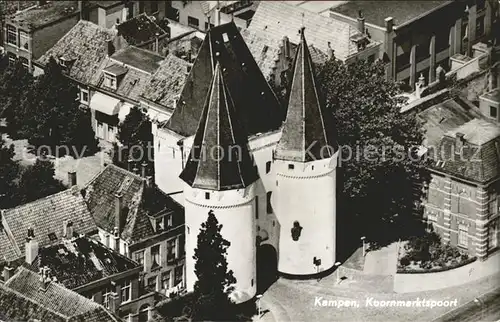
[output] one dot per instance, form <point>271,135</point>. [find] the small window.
<point>251,282</point>
<point>256,207</point>
<point>23,40</point>
<point>291,166</point>
<point>493,112</point>
<point>125,292</point>
<point>225,37</point>
<point>264,50</point>
<point>207,195</point>
<point>269,206</point>
<point>84,98</point>
<point>25,62</point>
<point>11,35</point>
<point>462,235</point>
<point>193,22</point>
<point>155,256</point>
<point>12,59</point>
<point>139,257</point>
<point>52,237</point>
<point>268,166</point>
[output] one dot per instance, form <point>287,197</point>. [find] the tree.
<point>211,290</point>
<point>136,139</point>
<point>8,173</point>
<point>38,181</point>
<point>377,187</point>
<point>53,117</point>
<point>15,82</point>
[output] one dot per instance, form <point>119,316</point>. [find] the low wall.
<point>407,283</point>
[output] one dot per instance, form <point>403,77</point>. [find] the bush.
<point>405,261</point>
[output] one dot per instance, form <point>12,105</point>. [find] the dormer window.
<point>110,80</point>
<point>163,223</point>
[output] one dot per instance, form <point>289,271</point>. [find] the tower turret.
<point>220,176</point>
<point>305,167</point>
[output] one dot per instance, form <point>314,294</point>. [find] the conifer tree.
<point>215,280</point>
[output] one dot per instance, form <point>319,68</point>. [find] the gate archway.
<point>267,267</point>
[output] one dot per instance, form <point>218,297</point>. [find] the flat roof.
<point>139,58</point>
<point>375,12</point>
<point>43,15</point>
<point>493,95</point>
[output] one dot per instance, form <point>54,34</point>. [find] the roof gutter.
<point>396,26</point>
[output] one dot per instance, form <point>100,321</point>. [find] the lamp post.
<point>259,296</point>
<point>337,265</point>
<point>364,245</point>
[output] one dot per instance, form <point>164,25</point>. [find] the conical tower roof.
<point>309,131</point>
<point>220,157</point>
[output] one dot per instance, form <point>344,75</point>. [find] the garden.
<point>426,253</point>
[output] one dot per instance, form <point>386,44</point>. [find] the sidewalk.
<point>382,261</point>
<point>406,283</point>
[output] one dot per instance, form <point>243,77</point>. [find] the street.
<point>484,308</point>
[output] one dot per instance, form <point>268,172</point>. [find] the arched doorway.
<point>267,267</point>
<point>144,313</point>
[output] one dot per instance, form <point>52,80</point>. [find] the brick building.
<point>462,197</point>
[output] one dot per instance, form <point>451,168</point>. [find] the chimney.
<point>135,170</point>
<point>217,14</point>
<point>116,236</point>
<point>7,273</point>
<point>157,45</point>
<point>68,229</point>
<point>45,278</point>
<point>129,165</point>
<point>144,167</point>
<point>149,181</point>
<point>330,51</point>
<point>113,302</point>
<point>492,79</point>
<point>72,178</point>
<point>286,47</point>
<point>389,24</point>
<point>361,22</point>
<point>118,212</point>
<point>31,247</point>
<point>111,47</point>
<point>459,140</point>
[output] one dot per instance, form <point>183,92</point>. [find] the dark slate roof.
<point>45,216</point>
<point>78,261</point>
<point>256,104</point>
<point>139,30</point>
<point>85,44</point>
<point>23,299</point>
<point>138,201</point>
<point>375,12</point>
<point>139,58</point>
<point>308,132</point>
<point>480,157</point>
<point>219,158</point>
<point>165,85</point>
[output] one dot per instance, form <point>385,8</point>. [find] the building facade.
<point>413,44</point>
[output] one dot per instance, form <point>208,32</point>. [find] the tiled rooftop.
<point>140,29</point>
<point>138,58</point>
<point>166,84</point>
<point>375,12</point>
<point>137,199</point>
<point>78,261</point>
<point>11,7</point>
<point>22,298</point>
<point>46,216</point>
<point>86,44</point>
<point>477,131</point>
<point>42,15</point>
<point>275,19</point>
<point>106,3</point>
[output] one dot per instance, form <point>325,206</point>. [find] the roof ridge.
<point>17,274</point>
<point>70,189</point>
